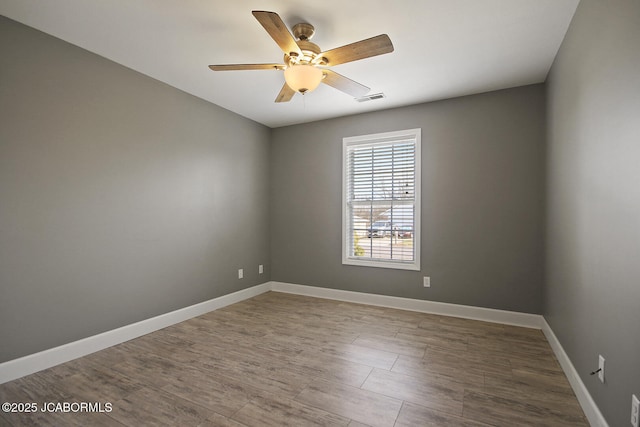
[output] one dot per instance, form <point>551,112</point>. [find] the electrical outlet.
<point>601,368</point>
<point>260,269</point>
<point>635,411</point>
<point>426,281</point>
<point>240,273</point>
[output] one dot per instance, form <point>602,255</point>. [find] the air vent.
<point>371,97</point>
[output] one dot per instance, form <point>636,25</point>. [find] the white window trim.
<point>369,139</point>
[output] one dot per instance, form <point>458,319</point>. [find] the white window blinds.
<point>381,203</point>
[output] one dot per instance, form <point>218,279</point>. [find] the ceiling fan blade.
<point>286,93</point>
<point>234,67</point>
<point>374,46</point>
<point>344,84</point>
<point>277,30</point>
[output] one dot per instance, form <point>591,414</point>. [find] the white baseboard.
<point>32,363</point>
<point>587,403</point>
<point>468,312</point>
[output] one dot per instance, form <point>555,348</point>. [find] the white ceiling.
<point>443,48</point>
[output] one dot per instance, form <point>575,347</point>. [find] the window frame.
<point>372,139</point>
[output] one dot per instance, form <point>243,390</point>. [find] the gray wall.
<point>121,198</point>
<point>482,201</point>
<point>592,293</point>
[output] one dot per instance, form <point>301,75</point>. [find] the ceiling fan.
<point>305,64</point>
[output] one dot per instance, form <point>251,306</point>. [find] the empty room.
<point>279,213</point>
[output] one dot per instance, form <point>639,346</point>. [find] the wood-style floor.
<point>287,360</point>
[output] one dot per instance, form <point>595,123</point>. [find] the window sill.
<point>382,264</point>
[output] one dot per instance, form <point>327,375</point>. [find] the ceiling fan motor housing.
<point>310,51</point>
<point>303,31</point>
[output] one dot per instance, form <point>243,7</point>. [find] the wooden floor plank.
<point>412,415</point>
<point>445,396</point>
<point>364,406</point>
<point>495,410</point>
<point>440,371</point>
<point>274,412</point>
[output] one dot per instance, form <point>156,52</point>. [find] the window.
<point>381,200</point>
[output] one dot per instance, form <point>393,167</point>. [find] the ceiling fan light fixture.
<point>303,78</point>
